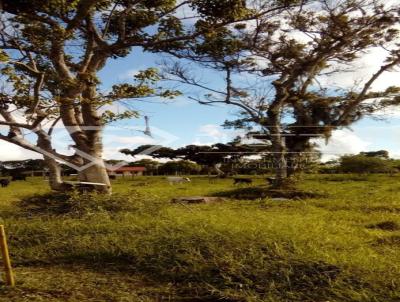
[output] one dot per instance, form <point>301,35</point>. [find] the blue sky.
<point>182,117</point>
<point>191,122</point>
<point>187,122</point>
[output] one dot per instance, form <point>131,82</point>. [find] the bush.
<point>364,164</point>
<point>180,167</point>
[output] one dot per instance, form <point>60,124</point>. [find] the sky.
<point>183,121</point>
<point>190,122</point>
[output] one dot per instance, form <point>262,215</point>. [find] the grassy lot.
<point>341,245</point>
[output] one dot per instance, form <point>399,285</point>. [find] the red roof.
<point>130,169</point>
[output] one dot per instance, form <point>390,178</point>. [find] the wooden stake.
<point>6,257</point>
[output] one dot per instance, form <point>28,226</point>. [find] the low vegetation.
<point>340,245</point>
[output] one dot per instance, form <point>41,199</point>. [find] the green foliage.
<point>150,165</point>
<point>383,154</point>
<point>24,165</point>
<point>289,2</point>
<point>364,164</point>
<point>52,52</point>
<point>227,10</point>
<point>179,167</point>
<point>170,27</point>
<point>57,7</point>
<point>295,50</point>
<point>151,75</point>
<point>109,116</point>
<point>3,56</point>
<point>220,44</point>
<point>202,155</point>
<point>131,91</point>
<point>144,86</point>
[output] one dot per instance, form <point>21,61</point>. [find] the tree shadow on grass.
<point>168,287</point>
<point>387,225</point>
<point>345,178</point>
<point>212,266</point>
<point>261,192</point>
<point>308,279</point>
<point>77,204</point>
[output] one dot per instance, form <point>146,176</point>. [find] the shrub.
<point>364,164</point>
<point>181,167</point>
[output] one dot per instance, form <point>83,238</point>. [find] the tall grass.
<point>320,249</point>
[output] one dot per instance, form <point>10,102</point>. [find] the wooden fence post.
<point>6,257</point>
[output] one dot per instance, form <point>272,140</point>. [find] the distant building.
<point>128,171</point>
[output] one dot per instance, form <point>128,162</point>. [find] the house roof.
<point>129,169</point>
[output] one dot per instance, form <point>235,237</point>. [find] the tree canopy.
<point>286,62</point>
<point>212,156</point>
<point>52,51</point>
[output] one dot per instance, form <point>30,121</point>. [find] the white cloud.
<point>129,74</point>
<point>211,134</point>
<point>342,142</point>
<point>113,144</point>
<point>212,131</point>
<point>388,112</point>
<point>10,151</point>
<point>184,11</point>
<point>361,71</point>
<point>132,140</point>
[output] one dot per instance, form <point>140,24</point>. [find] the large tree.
<point>52,52</point>
<point>285,59</point>
<point>212,156</point>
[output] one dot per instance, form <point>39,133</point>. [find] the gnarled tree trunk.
<point>79,115</point>
<point>55,179</point>
<point>279,157</point>
<point>296,152</point>
<point>96,173</point>
<point>278,145</point>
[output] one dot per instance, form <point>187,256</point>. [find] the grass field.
<point>341,245</point>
